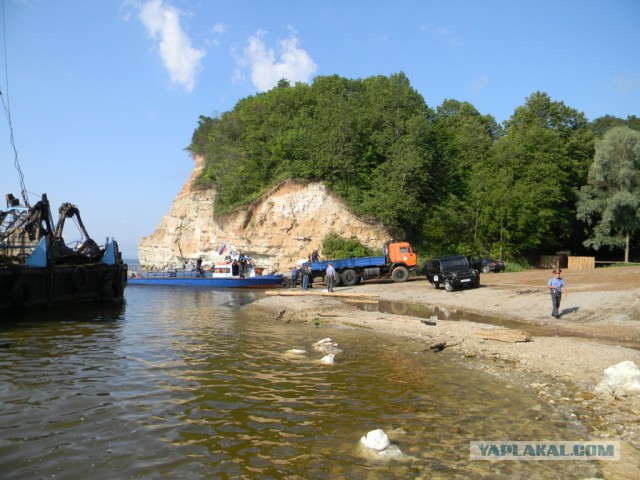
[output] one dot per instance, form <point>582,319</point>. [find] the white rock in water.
<point>328,359</point>
<point>621,379</point>
<point>376,440</point>
<point>297,351</point>
<point>324,343</point>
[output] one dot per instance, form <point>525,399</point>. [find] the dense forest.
<point>449,179</point>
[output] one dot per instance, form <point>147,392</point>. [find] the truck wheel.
<point>436,285</point>
<point>349,277</point>
<point>447,286</point>
<point>400,274</point>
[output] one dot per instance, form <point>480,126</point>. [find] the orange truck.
<point>398,260</point>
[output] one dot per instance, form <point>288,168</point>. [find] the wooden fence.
<point>566,261</point>
<point>581,263</point>
<point>552,261</point>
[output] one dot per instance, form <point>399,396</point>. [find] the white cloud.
<point>625,84</point>
<point>294,63</point>
<point>443,33</point>
<point>479,83</point>
<point>182,61</point>
<point>218,28</point>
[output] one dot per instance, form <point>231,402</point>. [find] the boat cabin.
<point>235,267</point>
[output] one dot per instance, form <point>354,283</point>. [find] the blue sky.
<point>104,95</point>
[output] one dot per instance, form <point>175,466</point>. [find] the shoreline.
<point>563,369</point>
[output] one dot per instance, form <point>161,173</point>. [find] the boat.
<point>235,271</point>
<point>39,269</point>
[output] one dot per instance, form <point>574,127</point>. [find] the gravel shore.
<point>563,362</point>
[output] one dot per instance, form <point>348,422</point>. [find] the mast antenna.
<point>7,110</point>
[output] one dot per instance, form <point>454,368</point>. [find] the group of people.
<point>305,273</point>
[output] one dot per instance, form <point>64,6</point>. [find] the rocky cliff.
<point>283,226</point>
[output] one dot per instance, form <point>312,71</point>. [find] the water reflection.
<point>182,385</point>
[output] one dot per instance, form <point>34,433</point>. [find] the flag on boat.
<point>223,248</point>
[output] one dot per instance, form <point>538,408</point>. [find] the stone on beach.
<point>376,445</point>
<point>328,346</point>
<point>296,351</point>
<point>328,359</point>
<point>621,379</point>
<point>376,440</point>
<point>324,341</point>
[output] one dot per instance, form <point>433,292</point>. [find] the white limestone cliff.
<point>282,227</point>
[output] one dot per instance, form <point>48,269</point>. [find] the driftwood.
<point>440,346</point>
<point>503,335</point>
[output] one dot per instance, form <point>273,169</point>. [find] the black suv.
<point>452,271</point>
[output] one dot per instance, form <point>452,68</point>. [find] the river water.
<point>179,383</point>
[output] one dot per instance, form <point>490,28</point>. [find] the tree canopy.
<point>611,199</point>
<point>449,179</point>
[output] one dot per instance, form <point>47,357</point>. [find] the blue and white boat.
<point>229,274</point>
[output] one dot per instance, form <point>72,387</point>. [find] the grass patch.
<point>517,265</point>
<point>622,264</point>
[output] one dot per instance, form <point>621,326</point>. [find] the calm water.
<point>178,384</point>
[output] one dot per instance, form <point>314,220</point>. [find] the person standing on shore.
<point>294,276</point>
<point>557,287</point>
<point>306,273</point>
<point>330,276</point>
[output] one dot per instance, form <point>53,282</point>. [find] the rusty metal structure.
<point>39,269</point>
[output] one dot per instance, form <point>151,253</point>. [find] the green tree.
<point>336,247</point>
<point>463,140</point>
<point>601,124</point>
<point>366,139</point>
<point>449,180</point>
<point>525,191</point>
<point>611,201</point>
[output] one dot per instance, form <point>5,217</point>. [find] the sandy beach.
<point>563,361</point>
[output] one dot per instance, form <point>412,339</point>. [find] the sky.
<point>103,96</point>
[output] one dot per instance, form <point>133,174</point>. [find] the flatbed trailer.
<point>397,263</point>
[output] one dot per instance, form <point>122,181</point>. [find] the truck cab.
<point>401,252</point>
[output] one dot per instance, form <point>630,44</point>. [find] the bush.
<point>517,265</point>
<point>334,246</point>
